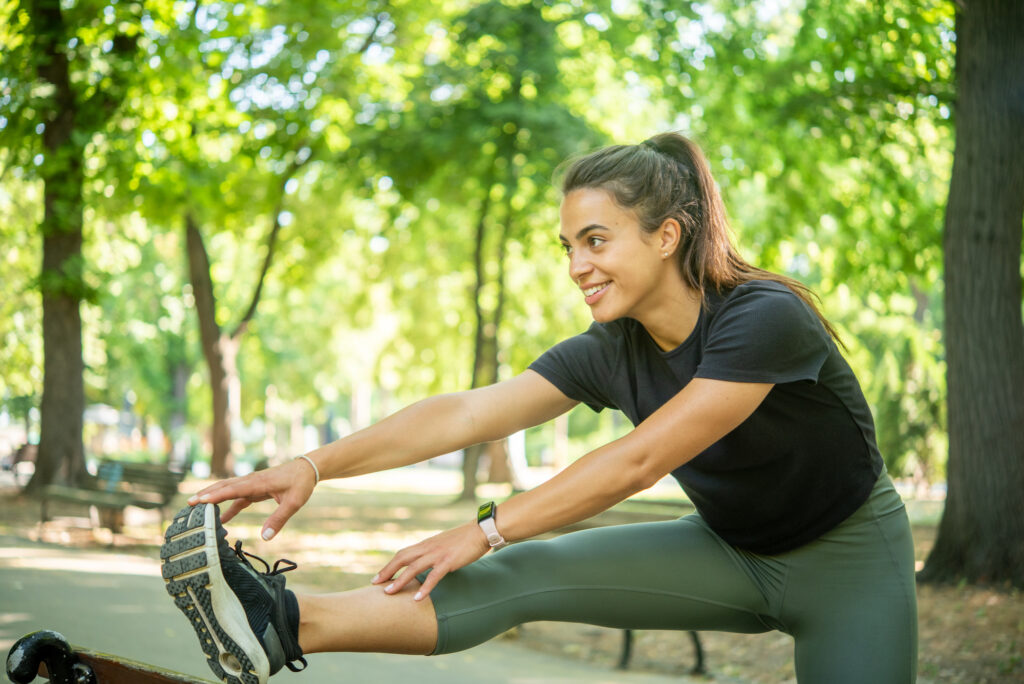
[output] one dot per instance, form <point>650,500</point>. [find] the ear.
<point>668,236</point>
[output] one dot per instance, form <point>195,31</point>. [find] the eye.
<point>566,248</point>
<point>595,241</point>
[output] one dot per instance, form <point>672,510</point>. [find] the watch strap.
<point>485,519</point>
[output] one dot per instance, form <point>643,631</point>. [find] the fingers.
<point>429,583</point>
<point>236,507</point>
<point>285,510</point>
<point>387,573</point>
<point>412,571</point>
<point>279,483</point>
<point>440,554</point>
<point>225,490</point>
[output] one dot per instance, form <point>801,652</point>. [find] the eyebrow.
<point>582,232</point>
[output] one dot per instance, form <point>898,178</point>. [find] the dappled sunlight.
<point>8,618</point>
<point>58,559</point>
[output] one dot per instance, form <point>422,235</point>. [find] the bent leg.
<point>851,603</point>
<point>663,575</point>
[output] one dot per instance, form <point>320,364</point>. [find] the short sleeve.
<point>764,333</point>
<point>578,365</point>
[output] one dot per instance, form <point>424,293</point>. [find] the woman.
<point>735,386</point>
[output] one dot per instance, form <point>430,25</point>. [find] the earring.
<point>664,254</point>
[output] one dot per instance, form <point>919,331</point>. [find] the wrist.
<point>486,519</point>
<point>479,535</point>
<point>310,466</point>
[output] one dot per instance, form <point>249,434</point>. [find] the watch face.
<point>486,511</point>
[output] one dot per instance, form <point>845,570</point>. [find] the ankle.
<point>307,632</point>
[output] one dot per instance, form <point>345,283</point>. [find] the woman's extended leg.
<point>848,598</point>
<point>666,575</point>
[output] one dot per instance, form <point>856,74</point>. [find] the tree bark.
<point>63,400</point>
<point>981,535</point>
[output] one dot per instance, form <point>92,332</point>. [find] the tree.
<point>70,101</point>
<point>485,128</point>
<point>220,348</point>
<point>232,151</point>
<point>981,535</point>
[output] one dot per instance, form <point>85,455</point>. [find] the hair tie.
<point>649,144</point>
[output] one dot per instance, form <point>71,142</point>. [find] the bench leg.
<point>626,653</point>
<point>111,518</point>
<point>627,650</point>
<point>698,651</point>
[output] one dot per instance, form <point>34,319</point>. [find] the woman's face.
<point>618,266</point>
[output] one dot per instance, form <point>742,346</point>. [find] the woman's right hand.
<point>289,484</point>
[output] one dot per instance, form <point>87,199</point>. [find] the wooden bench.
<point>117,485</point>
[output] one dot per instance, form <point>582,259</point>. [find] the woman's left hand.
<point>440,554</point>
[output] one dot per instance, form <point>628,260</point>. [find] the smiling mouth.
<point>595,289</point>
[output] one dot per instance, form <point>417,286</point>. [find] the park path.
<point>115,602</point>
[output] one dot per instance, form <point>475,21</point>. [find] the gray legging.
<point>847,598</point>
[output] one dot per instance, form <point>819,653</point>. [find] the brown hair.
<point>665,177</point>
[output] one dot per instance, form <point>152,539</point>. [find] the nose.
<point>579,266</point>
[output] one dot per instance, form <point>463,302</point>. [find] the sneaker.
<point>246,621</point>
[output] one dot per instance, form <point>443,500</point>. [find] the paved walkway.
<point>116,603</point>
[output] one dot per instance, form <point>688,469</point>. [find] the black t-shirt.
<point>798,466</point>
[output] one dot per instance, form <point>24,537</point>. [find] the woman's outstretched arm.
<point>698,416</point>
<point>428,428</point>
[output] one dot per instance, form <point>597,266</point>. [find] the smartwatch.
<point>485,519</point>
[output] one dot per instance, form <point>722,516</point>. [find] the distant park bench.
<point>117,485</point>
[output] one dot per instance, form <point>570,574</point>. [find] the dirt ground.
<point>968,635</point>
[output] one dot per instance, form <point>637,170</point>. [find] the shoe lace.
<point>269,571</point>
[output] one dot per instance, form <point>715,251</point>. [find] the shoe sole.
<point>191,571</point>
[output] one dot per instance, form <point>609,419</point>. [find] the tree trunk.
<point>471,456</point>
<point>486,348</point>
<point>501,468</point>
<point>60,432</point>
<point>218,350</point>
<point>63,400</point>
<point>981,536</point>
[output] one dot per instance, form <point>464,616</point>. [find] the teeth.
<point>597,288</point>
